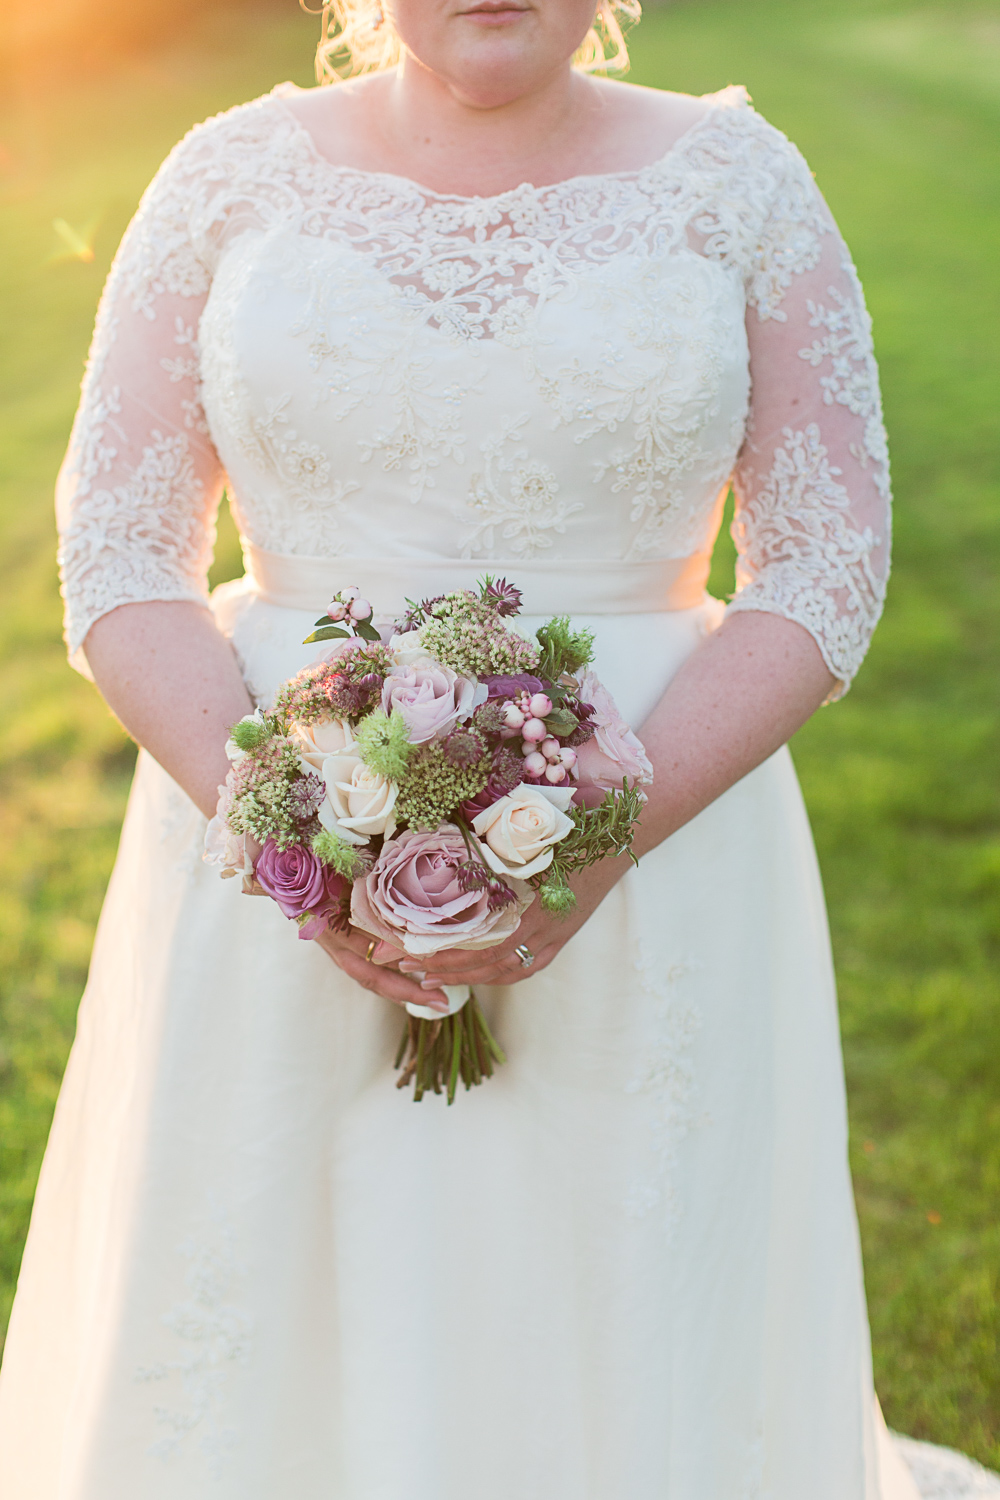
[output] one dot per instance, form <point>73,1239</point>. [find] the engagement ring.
<point>525,955</point>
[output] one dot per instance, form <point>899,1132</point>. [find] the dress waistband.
<point>548,588</point>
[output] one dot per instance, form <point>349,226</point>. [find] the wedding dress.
<point>626,1268</point>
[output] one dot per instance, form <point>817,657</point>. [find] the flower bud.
<point>535,764</point>
<point>567,757</point>
<point>360,609</point>
<point>534,729</point>
<point>550,748</point>
<point>336,610</point>
<point>512,715</point>
<point>541,704</point>
<point>555,773</point>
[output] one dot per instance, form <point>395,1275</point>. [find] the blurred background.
<point>897,106</point>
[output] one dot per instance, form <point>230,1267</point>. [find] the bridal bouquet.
<point>427,788</point>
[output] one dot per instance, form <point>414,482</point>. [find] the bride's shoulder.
<point>724,123</point>
<point>240,132</point>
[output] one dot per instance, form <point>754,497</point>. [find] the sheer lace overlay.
<point>571,372</point>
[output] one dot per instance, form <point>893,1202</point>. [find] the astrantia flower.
<point>502,596</point>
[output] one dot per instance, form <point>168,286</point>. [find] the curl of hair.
<point>357,36</point>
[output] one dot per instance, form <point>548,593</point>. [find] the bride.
<point>477,308</point>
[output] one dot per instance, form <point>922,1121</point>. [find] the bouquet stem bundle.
<point>434,1055</point>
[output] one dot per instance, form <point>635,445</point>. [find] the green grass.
<point>898,108</point>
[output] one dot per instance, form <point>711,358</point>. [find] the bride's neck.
<point>467,145</point>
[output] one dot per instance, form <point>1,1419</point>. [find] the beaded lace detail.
<point>566,371</point>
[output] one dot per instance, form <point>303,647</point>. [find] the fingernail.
<point>406,968</point>
<point>431,984</point>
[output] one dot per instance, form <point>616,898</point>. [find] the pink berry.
<point>541,704</point>
<point>567,757</point>
<point>536,764</point>
<point>512,715</point>
<point>336,610</point>
<point>534,729</point>
<point>555,773</point>
<point>550,748</point>
<point>360,609</point>
<point>351,592</point>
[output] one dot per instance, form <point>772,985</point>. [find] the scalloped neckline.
<point>738,98</point>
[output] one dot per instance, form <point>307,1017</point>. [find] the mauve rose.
<point>430,697</point>
<point>614,752</point>
<point>510,687</point>
<point>413,899</point>
<point>299,882</point>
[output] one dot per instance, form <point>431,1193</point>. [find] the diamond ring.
<point>525,955</point>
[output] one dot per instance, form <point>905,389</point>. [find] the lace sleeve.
<point>139,488</point>
<point>812,525</point>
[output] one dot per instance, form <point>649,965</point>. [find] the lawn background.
<point>897,107</point>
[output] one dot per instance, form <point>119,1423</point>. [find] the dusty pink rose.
<point>614,752</point>
<point>300,883</point>
<point>430,697</point>
<point>413,899</point>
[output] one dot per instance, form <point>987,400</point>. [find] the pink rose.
<point>430,697</point>
<point>413,897</point>
<point>300,883</point>
<point>614,752</point>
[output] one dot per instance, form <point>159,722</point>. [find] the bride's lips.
<point>494,12</point>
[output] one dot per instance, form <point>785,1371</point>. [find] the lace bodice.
<point>572,372</point>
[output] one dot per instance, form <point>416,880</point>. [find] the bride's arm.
<point>812,533</point>
<point>136,503</point>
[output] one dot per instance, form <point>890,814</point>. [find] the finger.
<point>389,984</point>
<point>491,972</point>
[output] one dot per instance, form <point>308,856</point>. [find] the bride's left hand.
<point>542,934</point>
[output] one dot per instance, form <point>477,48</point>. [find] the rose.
<point>359,802</point>
<point>315,742</point>
<point>614,752</point>
<point>519,831</point>
<point>431,698</point>
<point>300,883</point>
<point>222,846</point>
<point>513,686</point>
<point>414,899</point>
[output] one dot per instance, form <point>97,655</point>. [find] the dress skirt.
<point>625,1268</point>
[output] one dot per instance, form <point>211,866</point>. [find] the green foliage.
<point>383,744</point>
<point>897,106</point>
<point>251,732</point>
<point>337,853</point>
<point>435,785</point>
<point>555,893</point>
<point>562,649</point>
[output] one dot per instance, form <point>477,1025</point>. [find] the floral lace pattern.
<point>567,371</point>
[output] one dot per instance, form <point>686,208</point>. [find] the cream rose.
<point>518,832</point>
<point>359,802</point>
<point>315,742</point>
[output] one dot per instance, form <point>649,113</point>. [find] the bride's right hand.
<point>349,951</point>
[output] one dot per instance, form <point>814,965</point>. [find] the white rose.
<point>407,649</point>
<point>359,802</point>
<point>315,742</point>
<point>518,831</point>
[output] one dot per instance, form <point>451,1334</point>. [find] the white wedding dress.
<point>627,1267</point>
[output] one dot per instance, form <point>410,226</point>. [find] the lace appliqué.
<point>216,1337</point>
<point>668,1083</point>
<point>517,499</point>
<point>852,379</point>
<point>801,557</point>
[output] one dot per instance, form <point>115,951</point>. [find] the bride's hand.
<point>380,973</point>
<point>542,934</point>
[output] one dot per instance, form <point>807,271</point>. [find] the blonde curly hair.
<point>358,37</point>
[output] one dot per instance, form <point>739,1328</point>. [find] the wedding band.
<point>525,955</point>
<point>371,949</point>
